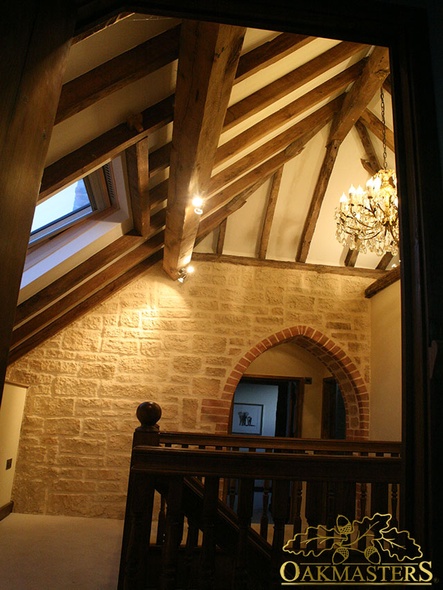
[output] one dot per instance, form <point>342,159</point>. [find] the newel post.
<point>148,414</point>
<point>139,505</point>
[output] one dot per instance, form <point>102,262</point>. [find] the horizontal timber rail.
<point>209,511</point>
<point>296,445</point>
<point>202,462</point>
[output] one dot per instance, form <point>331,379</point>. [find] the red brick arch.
<point>352,385</point>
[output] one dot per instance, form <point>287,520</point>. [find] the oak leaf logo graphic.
<point>372,536</point>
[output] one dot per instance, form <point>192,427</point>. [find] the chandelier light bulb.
<point>368,219</point>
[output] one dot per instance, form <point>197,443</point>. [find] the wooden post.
<point>139,505</point>
<point>35,39</point>
<point>148,414</point>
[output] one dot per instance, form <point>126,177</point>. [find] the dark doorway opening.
<point>282,400</point>
<point>333,411</point>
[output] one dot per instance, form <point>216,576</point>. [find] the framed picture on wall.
<point>247,419</point>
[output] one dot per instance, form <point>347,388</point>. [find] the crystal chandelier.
<point>368,219</point>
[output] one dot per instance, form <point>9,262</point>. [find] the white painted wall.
<point>266,395</point>
<point>11,413</point>
<point>385,397</point>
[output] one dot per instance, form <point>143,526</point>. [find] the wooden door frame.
<point>277,380</point>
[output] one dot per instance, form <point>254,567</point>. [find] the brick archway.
<point>352,385</point>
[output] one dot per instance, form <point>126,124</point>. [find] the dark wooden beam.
<point>266,96</point>
<point>82,92</point>
<point>373,123</point>
<point>84,290</point>
<point>319,268</point>
<point>317,200</point>
<point>91,300</point>
<point>371,162</point>
<point>385,261</point>
<point>351,257</point>
<point>356,99</point>
<point>269,53</point>
<point>363,90</point>
<point>300,130</point>
<point>137,166</point>
<point>313,97</point>
<point>307,128</point>
<point>208,60</point>
<point>97,152</point>
<point>389,278</point>
<point>269,214</point>
<point>221,236</point>
<point>214,218</point>
<point>34,49</point>
<point>159,159</point>
<point>72,279</point>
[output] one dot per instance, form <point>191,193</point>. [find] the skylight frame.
<point>101,196</point>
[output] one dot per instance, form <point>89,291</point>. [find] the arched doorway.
<point>343,369</point>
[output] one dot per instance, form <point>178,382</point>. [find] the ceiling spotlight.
<point>184,272</point>
<point>197,203</point>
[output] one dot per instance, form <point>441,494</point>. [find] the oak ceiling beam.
<point>269,53</point>
<point>385,260</point>
<point>312,125</point>
<point>75,277</point>
<point>35,45</point>
<point>371,162</point>
<point>281,264</point>
<point>159,159</point>
<point>102,149</point>
<point>278,89</point>
<point>355,102</point>
<point>218,182</point>
<point>100,82</point>
<point>271,123</point>
<point>384,281</point>
<point>76,312</point>
<point>351,257</point>
<point>85,290</point>
<point>271,147</point>
<point>221,236</point>
<point>218,215</point>
<point>373,124</point>
<point>124,69</point>
<point>317,200</point>
<point>363,90</point>
<point>137,166</point>
<point>208,60</point>
<point>269,214</point>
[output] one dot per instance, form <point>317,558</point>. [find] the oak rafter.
<point>208,60</point>
<point>355,102</point>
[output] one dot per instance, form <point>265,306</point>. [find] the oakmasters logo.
<point>369,551</point>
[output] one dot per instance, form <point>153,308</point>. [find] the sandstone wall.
<point>162,341</point>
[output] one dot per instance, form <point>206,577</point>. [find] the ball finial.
<point>148,414</point>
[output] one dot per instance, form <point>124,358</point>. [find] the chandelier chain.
<point>383,120</point>
<point>367,220</point>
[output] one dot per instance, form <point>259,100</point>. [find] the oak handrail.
<point>285,443</point>
<point>204,462</point>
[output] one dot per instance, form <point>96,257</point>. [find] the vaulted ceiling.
<point>269,128</point>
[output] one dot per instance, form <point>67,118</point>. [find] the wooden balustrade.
<point>207,486</point>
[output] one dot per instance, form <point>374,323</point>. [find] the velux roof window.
<point>94,213</point>
<point>70,205</point>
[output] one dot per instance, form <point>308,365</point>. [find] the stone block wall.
<point>176,344</point>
